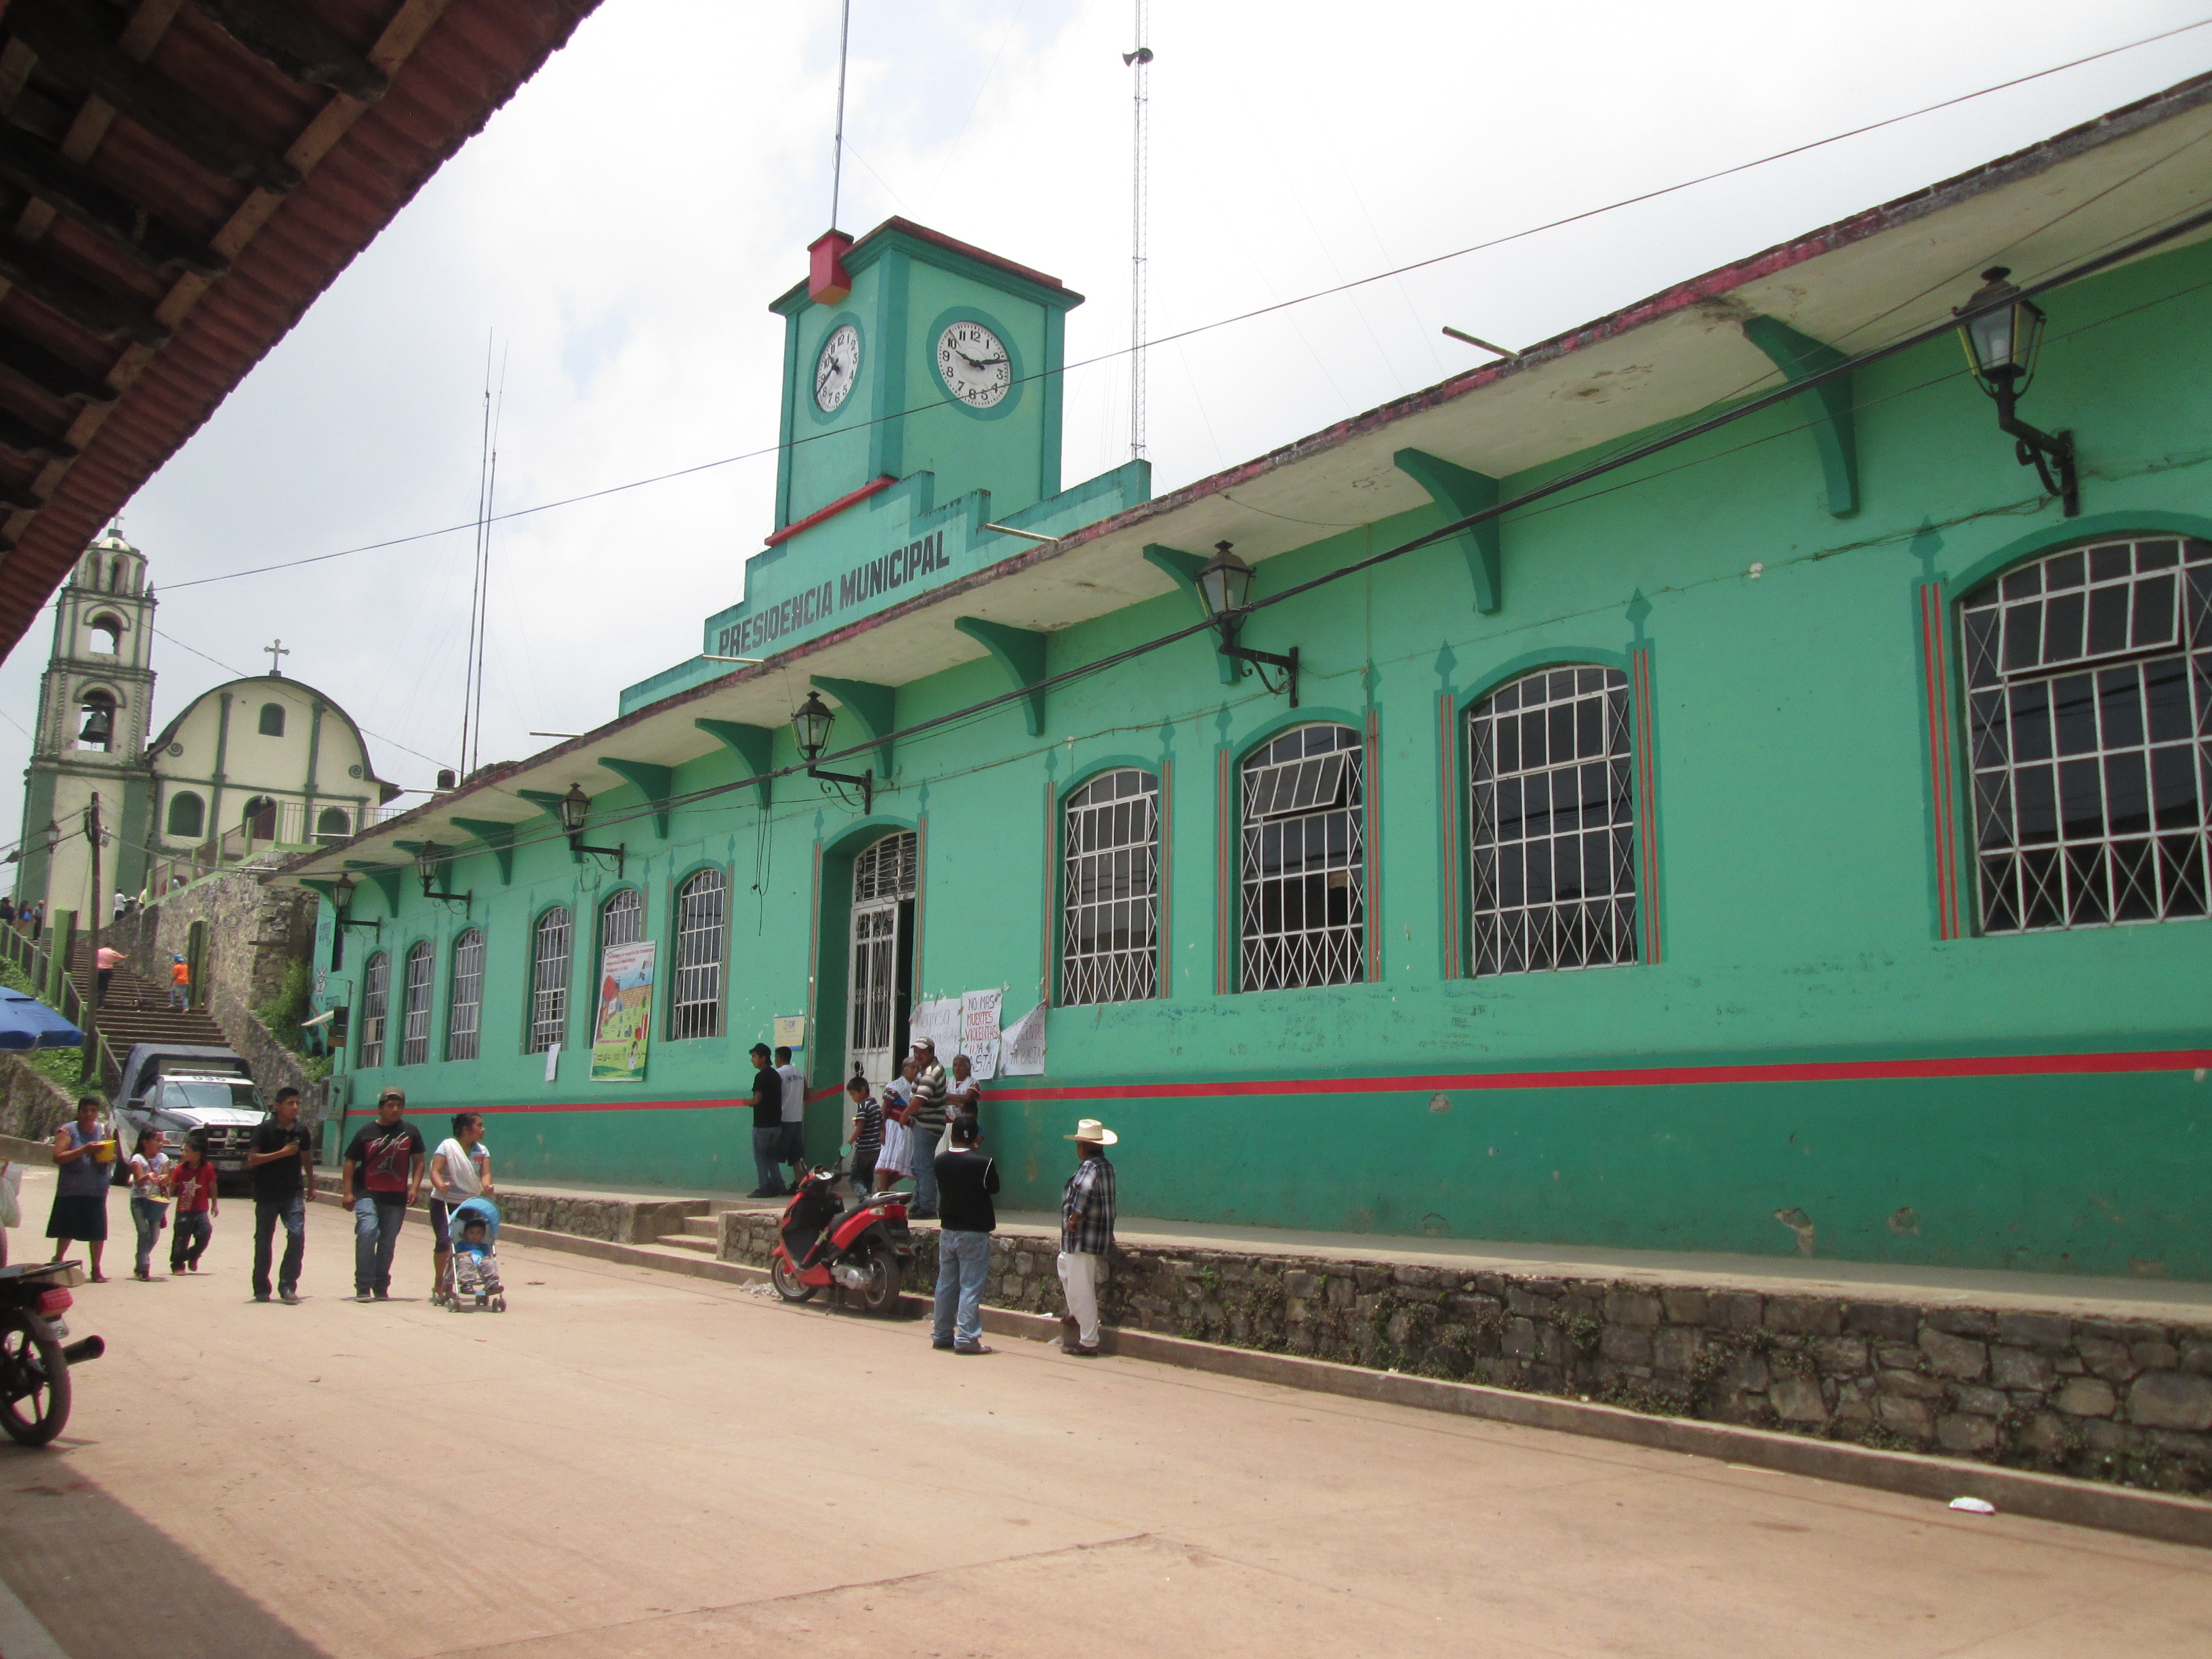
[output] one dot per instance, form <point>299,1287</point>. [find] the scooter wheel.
<point>879,1294</point>
<point>35,1379</point>
<point>788,1283</point>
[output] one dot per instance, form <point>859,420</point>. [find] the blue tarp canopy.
<point>27,1022</point>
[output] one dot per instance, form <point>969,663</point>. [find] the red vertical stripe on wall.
<point>1164,874</point>
<point>1647,800</point>
<point>1048,976</point>
<point>1225,872</point>
<point>1448,848</point>
<point>1372,870</point>
<point>1935,684</point>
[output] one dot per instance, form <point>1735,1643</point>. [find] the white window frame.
<point>1110,916</point>
<point>1569,813</point>
<point>414,1006</point>
<point>552,955</point>
<point>375,1008</point>
<point>702,932</point>
<point>1295,793</point>
<point>465,997</point>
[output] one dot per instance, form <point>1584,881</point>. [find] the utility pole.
<point>89,1080</point>
<point>1139,60</point>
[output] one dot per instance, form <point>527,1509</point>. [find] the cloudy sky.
<point>619,228</point>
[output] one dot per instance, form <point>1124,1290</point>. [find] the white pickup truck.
<point>179,1089</point>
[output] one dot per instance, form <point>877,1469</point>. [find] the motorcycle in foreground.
<point>864,1249</point>
<point>35,1363</point>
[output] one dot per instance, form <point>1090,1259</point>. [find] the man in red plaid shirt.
<point>1086,1236</point>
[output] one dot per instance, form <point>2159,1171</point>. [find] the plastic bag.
<point>11,1179</point>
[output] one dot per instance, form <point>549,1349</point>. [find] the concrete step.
<point>700,1226</point>
<point>690,1242</point>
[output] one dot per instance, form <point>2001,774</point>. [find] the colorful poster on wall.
<point>1022,1049</point>
<point>624,1025</point>
<point>979,1031</point>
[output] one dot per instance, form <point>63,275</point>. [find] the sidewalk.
<point>2165,1300</point>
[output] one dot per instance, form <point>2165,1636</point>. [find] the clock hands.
<point>976,363</point>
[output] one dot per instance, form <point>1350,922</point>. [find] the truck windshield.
<point>201,1094</point>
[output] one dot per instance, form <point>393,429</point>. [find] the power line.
<point>1224,322</point>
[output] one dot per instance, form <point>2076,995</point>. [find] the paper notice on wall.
<point>979,1032</point>
<point>553,1064</point>
<point>940,1022</point>
<point>1021,1050</point>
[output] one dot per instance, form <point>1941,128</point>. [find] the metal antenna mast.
<point>837,154</point>
<point>1139,60</point>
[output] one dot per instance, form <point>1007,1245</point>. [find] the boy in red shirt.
<point>195,1179</point>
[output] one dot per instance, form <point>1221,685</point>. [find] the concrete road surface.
<point>629,1463</point>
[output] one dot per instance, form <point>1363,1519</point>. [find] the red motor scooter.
<point>864,1249</point>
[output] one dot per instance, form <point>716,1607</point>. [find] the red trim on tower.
<point>1448,790</point>
<point>777,537</point>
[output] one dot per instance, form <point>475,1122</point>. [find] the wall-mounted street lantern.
<point>2002,330</point>
<point>50,837</point>
<point>811,726</point>
<point>1225,584</point>
<point>347,886</point>
<point>575,807</point>
<point>426,866</point>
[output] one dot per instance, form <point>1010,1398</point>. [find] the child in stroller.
<point>472,1278</point>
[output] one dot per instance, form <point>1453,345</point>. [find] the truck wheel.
<point>35,1379</point>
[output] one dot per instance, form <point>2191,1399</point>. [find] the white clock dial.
<point>837,367</point>
<point>975,365</point>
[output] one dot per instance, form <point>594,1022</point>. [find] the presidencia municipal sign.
<point>874,554</point>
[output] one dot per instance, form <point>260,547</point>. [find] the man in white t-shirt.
<point>792,1149</point>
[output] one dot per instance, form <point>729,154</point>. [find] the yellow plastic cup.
<point>103,1151</point>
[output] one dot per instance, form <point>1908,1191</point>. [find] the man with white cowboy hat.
<point>1086,1236</point>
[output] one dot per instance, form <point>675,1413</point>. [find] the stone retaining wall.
<point>2127,1401</point>
<point>32,1104</point>
<point>618,1221</point>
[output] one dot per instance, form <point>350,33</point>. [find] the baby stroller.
<point>472,1272</point>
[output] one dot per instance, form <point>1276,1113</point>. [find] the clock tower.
<point>908,352</point>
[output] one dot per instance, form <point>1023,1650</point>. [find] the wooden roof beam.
<point>31,164</point>
<point>93,308</point>
<point>73,41</point>
<point>298,43</point>
<point>24,439</point>
<point>28,361</point>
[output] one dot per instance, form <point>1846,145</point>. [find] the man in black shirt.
<point>382,1174</point>
<point>282,1167</point>
<point>768,1125</point>
<point>966,1219</point>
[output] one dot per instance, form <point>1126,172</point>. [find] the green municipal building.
<point>1728,778</point>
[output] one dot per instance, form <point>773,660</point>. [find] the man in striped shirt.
<point>1086,1236</point>
<point>926,1124</point>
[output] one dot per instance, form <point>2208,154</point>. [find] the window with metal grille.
<point>1109,920</point>
<point>551,942</point>
<point>886,870</point>
<point>622,919</point>
<point>2090,713</point>
<point>414,1006</point>
<point>1305,872</point>
<point>701,912</point>
<point>375,1001</point>
<point>465,997</point>
<point>1553,823</point>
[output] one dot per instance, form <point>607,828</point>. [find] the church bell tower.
<point>95,706</point>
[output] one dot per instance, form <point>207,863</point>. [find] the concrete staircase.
<point>138,1009</point>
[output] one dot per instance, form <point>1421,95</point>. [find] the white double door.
<point>880,976</point>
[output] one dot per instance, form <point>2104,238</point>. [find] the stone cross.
<point>276,649</point>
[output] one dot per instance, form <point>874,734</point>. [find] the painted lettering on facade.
<point>879,576</point>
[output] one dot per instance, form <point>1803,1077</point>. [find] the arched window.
<point>375,1003</point>
<point>272,719</point>
<point>550,944</point>
<point>1305,868</point>
<point>259,817</point>
<point>1110,908</point>
<point>701,912</point>
<point>414,1011</point>
<point>333,824</point>
<point>187,815</point>
<point>106,633</point>
<point>1553,817</point>
<point>98,732</point>
<point>465,996</point>
<point>2089,734</point>
<point>622,919</point>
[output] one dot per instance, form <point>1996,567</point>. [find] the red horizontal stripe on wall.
<point>1825,1071</point>
<point>1839,1071</point>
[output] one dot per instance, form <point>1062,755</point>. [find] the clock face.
<point>837,367</point>
<point>975,365</point>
